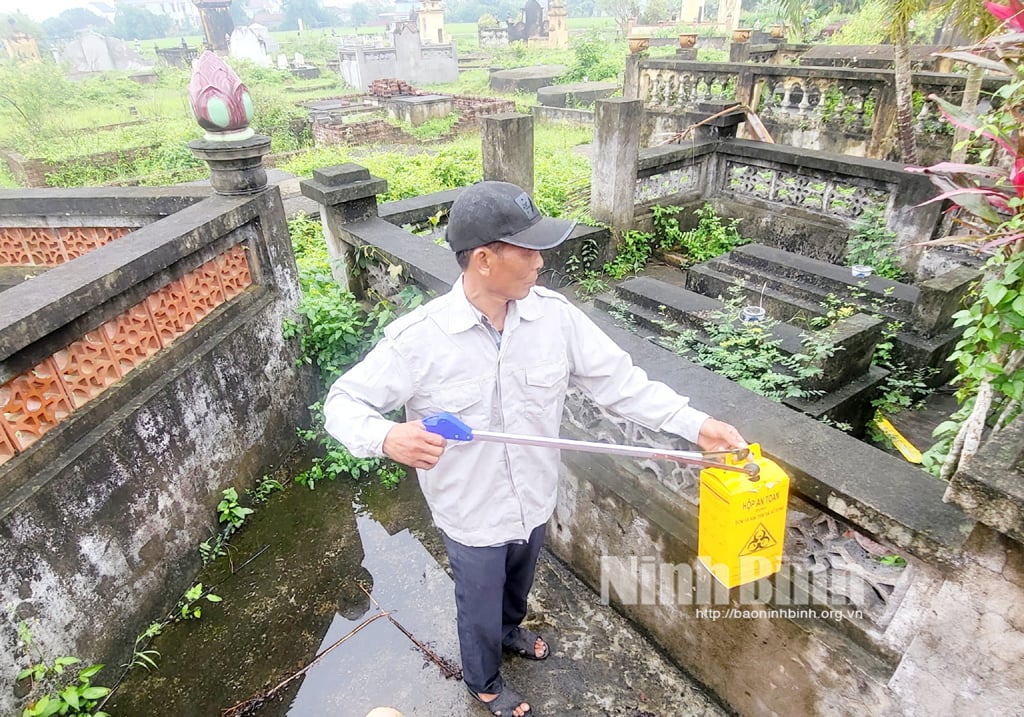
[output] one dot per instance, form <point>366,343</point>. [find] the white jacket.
<point>441,357</point>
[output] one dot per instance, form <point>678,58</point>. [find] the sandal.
<point>504,705</point>
<point>523,642</point>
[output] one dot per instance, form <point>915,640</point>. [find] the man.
<point>499,352</point>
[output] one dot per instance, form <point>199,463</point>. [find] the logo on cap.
<point>523,200</point>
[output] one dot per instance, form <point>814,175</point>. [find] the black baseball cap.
<point>492,211</point>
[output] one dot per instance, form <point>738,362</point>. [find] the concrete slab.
<point>525,79</point>
<point>576,93</point>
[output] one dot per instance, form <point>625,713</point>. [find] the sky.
<point>39,10</point>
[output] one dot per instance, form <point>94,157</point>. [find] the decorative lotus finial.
<point>220,102</point>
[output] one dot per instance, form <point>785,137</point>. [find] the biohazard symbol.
<point>760,540</point>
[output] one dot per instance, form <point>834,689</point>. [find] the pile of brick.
<point>372,132</point>
<point>471,109</point>
<point>389,87</point>
<point>377,131</point>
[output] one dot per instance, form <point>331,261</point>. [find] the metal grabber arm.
<point>451,428</point>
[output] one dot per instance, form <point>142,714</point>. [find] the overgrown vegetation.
<point>57,686</point>
<point>903,388</point>
<point>335,332</point>
<point>990,354</point>
<point>434,128</point>
<point>747,353</point>
<point>873,244</point>
<point>591,60</point>
<point>710,238</point>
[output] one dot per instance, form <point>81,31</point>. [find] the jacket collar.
<point>463,316</point>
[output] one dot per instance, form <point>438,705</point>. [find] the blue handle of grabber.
<point>448,426</point>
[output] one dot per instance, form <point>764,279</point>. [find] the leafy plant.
<point>266,487</point>
<point>710,238</point>
<point>897,561</point>
<point>594,59</point>
<point>213,547</point>
<point>79,698</point>
<point>585,259</point>
<point>337,332</point>
<point>631,254</point>
<point>746,353</point>
<point>338,461</point>
<point>590,284</point>
<point>874,244</point>
<point>66,690</point>
<point>229,511</point>
<point>141,657</point>
<point>189,607</point>
<point>990,354</point>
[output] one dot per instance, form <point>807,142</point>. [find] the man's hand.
<point>413,445</point>
<point>718,436</point>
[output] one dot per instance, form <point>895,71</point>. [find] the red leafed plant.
<point>991,195</point>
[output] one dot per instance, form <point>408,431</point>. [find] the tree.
<point>621,10</point>
<point>239,16</point>
<point>136,23</point>
<point>581,8</point>
<point>58,29</point>
<point>17,22</point>
<point>898,29</point>
<point>311,12</point>
<point>473,10</point>
<point>656,11</point>
<point>80,19</point>
<point>359,14</point>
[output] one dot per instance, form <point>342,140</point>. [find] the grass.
<point>6,178</point>
<point>64,122</point>
<point>562,174</point>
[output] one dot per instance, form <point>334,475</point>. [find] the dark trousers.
<point>491,585</point>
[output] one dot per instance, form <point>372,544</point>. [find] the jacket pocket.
<point>462,399</point>
<point>545,387</point>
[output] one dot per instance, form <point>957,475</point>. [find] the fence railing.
<point>845,110</point>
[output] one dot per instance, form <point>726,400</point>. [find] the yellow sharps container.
<point>742,520</point>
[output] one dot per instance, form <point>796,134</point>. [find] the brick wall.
<point>377,131</point>
<point>471,109</point>
<point>373,132</point>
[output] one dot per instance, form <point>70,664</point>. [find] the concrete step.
<point>787,298</point>
<point>849,403</point>
<point>806,291</point>
<point>691,309</point>
<point>710,280</point>
<point>824,276</point>
<point>666,309</point>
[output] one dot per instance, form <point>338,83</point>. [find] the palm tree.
<point>898,30</point>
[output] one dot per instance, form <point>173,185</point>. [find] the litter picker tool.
<point>743,497</point>
<point>451,428</point>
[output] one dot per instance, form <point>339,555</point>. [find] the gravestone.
<point>93,52</point>
<point>248,44</point>
<point>575,94</point>
<point>525,79</point>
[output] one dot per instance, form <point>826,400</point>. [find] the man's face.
<point>512,270</point>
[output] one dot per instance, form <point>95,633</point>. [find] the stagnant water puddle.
<point>302,594</point>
